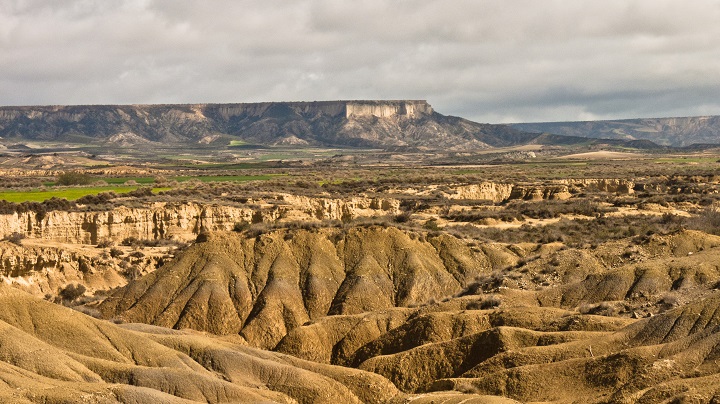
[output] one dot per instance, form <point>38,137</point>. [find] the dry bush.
<point>15,238</point>
<point>89,311</point>
<point>707,221</point>
<point>71,292</point>
<point>105,243</point>
<point>669,300</point>
<point>490,302</point>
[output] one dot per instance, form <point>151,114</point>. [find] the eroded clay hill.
<point>631,320</point>
<point>263,287</point>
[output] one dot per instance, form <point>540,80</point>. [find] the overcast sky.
<point>490,61</point>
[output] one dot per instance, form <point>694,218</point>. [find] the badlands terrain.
<point>535,268</point>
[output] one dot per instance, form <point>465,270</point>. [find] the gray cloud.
<point>487,60</point>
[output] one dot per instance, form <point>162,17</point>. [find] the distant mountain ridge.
<point>677,132</point>
<point>377,124</point>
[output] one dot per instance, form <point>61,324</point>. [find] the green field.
<point>206,178</point>
<point>70,194</point>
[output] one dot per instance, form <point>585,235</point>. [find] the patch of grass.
<point>70,194</point>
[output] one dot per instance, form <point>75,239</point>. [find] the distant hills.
<point>376,124</point>
<point>676,132</point>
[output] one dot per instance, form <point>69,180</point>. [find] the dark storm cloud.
<point>492,61</point>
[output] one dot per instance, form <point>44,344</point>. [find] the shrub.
<point>130,241</point>
<point>707,221</point>
<point>490,302</point>
<point>89,311</point>
<point>101,198</point>
<point>241,226</point>
<point>670,299</point>
<point>431,225</point>
<point>141,192</point>
<point>74,178</point>
<point>607,309</point>
<point>72,292</point>
<point>105,243</point>
<point>402,217</point>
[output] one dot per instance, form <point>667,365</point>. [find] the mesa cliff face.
<point>403,123</point>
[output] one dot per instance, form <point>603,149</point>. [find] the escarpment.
<point>546,190</point>
<point>184,221</point>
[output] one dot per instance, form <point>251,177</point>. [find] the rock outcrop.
<point>551,190</point>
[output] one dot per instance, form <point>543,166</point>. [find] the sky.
<point>494,61</point>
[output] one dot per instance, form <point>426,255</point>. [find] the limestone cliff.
<point>551,190</point>
<point>184,221</point>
